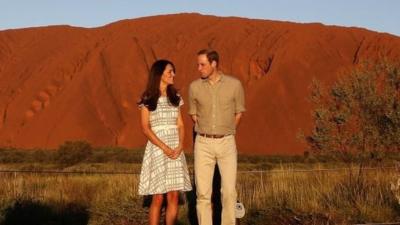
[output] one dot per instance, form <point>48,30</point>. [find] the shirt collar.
<point>221,78</point>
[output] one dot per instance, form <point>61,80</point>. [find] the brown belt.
<point>212,135</point>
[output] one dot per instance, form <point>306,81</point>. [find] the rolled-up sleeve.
<point>192,101</point>
<point>239,98</point>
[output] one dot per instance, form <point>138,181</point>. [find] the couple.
<point>216,103</point>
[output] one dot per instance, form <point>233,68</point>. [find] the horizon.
<point>368,14</point>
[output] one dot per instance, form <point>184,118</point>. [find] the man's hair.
<point>211,54</point>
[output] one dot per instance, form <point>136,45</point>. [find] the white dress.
<point>160,174</point>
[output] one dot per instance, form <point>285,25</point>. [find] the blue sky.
<point>377,15</point>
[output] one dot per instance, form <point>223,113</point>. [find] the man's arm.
<point>192,104</point>
<point>238,116</point>
<point>239,103</point>
<point>194,118</point>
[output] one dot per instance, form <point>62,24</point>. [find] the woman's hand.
<point>169,152</point>
<point>177,152</point>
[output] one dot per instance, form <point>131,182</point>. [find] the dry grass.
<point>334,196</point>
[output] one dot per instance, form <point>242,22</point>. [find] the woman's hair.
<point>152,93</point>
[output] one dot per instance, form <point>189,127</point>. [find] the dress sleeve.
<point>181,101</point>
<point>140,106</point>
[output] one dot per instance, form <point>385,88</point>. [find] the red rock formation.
<point>62,83</point>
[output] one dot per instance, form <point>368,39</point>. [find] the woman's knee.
<point>172,197</point>
<point>157,200</point>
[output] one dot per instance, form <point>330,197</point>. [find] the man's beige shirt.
<point>215,105</point>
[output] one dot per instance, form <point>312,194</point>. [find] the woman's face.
<point>168,75</point>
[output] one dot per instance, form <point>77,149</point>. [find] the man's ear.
<point>214,64</point>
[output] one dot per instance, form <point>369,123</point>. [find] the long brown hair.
<point>152,93</point>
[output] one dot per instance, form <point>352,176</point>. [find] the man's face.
<point>204,66</point>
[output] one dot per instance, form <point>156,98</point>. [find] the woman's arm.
<point>145,122</point>
<point>181,129</point>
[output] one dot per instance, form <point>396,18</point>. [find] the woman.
<point>164,169</point>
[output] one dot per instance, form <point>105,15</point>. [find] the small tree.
<point>72,152</point>
<point>359,115</point>
<point>357,119</point>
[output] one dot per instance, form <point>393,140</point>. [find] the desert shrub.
<point>72,152</point>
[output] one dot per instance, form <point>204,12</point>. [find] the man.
<point>216,104</point>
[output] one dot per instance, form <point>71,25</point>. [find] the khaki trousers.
<point>208,152</point>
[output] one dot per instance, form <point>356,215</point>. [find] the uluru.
<point>60,83</point>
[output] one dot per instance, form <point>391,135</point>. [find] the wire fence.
<point>395,223</point>
<point>288,170</point>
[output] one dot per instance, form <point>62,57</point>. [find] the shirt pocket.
<point>227,103</point>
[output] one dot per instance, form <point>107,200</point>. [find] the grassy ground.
<point>274,197</point>
<point>276,190</point>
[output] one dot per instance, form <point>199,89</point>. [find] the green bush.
<point>359,116</point>
<point>116,154</point>
<point>73,152</point>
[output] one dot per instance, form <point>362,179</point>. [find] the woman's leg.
<point>172,207</point>
<point>155,209</point>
